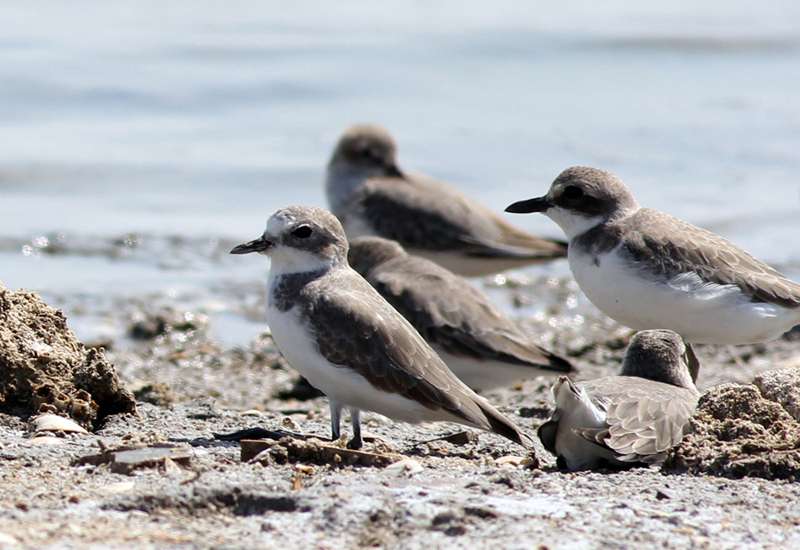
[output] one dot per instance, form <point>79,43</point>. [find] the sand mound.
<point>736,432</point>
<point>782,386</point>
<point>43,368</point>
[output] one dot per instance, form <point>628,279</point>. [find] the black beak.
<point>539,204</point>
<point>259,245</point>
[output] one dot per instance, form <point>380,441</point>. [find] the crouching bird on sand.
<point>634,418</point>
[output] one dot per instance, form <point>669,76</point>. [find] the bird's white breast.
<point>702,313</point>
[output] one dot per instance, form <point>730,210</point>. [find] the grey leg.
<point>336,419</point>
<point>355,420</point>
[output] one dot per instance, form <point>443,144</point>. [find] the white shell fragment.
<point>54,423</point>
<point>408,465</point>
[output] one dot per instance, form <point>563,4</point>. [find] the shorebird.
<point>371,196</point>
<point>340,334</point>
<point>483,347</point>
<point>649,270</point>
<point>634,418</point>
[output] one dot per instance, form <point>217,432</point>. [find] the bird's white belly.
<point>341,384</point>
<point>578,452</point>
<point>701,313</point>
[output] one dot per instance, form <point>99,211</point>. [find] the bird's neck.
<point>298,262</point>
<point>340,183</point>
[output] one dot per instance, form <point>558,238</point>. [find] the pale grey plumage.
<point>647,269</point>
<point>628,419</point>
<point>372,196</point>
<point>453,316</point>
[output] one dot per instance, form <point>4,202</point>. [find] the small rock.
<point>156,393</point>
<point>54,423</point>
<point>128,459</point>
<point>662,495</point>
<point>125,462</point>
<point>482,513</point>
<point>149,325</point>
<point>289,424</point>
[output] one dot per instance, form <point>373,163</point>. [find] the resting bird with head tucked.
<point>634,418</point>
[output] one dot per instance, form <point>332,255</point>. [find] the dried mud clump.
<point>735,432</point>
<point>782,386</point>
<point>43,367</point>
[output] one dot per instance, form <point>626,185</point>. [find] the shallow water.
<point>187,125</point>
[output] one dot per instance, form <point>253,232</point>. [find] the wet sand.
<point>473,491</point>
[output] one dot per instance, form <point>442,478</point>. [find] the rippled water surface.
<point>144,139</point>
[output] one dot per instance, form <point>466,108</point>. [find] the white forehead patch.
<point>279,221</point>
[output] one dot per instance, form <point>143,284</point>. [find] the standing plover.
<point>339,333</point>
<point>647,270</point>
<point>629,419</point>
<point>483,347</point>
<point>372,196</point>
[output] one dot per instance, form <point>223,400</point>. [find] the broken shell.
<point>406,465</point>
<point>510,460</point>
<point>54,423</point>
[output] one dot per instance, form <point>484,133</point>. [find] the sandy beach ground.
<point>64,492</point>
<point>144,140</point>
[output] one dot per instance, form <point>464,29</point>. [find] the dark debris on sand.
<point>43,367</point>
<point>736,432</point>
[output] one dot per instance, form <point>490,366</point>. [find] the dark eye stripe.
<point>302,232</point>
<point>572,192</point>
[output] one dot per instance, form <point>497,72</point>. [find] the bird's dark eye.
<point>572,192</point>
<point>302,232</point>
